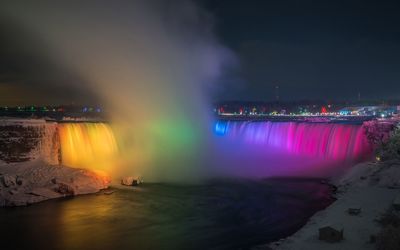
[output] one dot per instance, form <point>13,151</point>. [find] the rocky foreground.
<point>30,182</point>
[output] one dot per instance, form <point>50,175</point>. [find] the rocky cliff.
<point>28,139</point>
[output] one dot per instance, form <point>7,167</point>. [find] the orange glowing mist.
<point>88,145</point>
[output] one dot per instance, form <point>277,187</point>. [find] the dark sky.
<point>28,75</point>
<point>312,49</point>
<point>329,50</point>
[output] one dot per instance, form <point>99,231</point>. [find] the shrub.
<point>390,150</point>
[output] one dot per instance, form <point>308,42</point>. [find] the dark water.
<point>216,215</point>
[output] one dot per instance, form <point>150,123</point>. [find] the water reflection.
<point>220,214</point>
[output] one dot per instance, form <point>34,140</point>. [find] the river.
<point>219,214</point>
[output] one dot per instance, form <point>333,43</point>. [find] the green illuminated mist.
<point>152,63</point>
<point>164,149</point>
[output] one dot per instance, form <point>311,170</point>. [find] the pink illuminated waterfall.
<point>317,140</point>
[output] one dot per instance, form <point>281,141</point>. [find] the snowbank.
<point>30,182</point>
<point>372,187</point>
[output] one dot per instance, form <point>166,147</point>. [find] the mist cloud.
<point>154,64</point>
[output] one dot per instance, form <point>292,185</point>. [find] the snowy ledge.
<point>34,181</point>
<point>372,187</point>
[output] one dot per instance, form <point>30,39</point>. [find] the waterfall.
<point>263,148</point>
<point>254,149</point>
<point>318,140</point>
<point>87,145</point>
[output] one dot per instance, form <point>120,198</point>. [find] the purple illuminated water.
<point>290,148</point>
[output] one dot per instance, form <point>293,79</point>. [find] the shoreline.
<point>371,186</point>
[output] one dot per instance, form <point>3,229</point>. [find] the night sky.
<point>312,49</point>
<point>329,50</point>
<point>29,76</point>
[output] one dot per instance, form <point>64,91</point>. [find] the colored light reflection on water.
<point>216,215</point>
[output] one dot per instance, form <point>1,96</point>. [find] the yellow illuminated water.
<point>88,145</point>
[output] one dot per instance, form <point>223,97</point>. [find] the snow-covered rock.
<point>131,181</point>
<point>45,192</point>
<point>8,180</point>
<point>331,233</point>
<point>19,180</point>
<point>13,191</point>
<point>354,210</point>
<point>65,189</point>
<point>39,181</point>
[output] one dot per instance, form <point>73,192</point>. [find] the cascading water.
<point>87,145</point>
<point>332,141</point>
<point>245,149</point>
<point>290,148</point>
